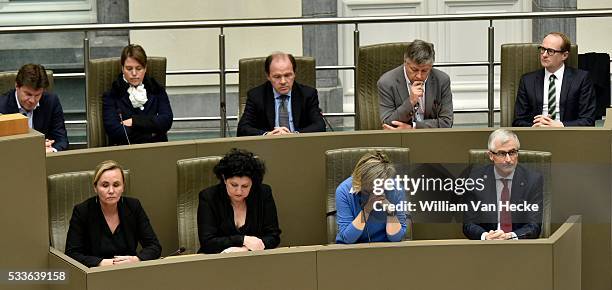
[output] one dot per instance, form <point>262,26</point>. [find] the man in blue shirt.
<point>281,105</point>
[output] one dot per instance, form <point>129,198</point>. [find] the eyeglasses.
<point>549,51</point>
<point>502,154</point>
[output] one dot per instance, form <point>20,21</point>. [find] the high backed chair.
<point>373,62</point>
<point>536,160</point>
<point>518,59</point>
<point>252,74</point>
<point>65,190</point>
<point>100,76</point>
<point>7,80</point>
<point>340,164</point>
<point>194,174</point>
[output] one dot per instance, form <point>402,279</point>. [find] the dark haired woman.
<point>136,109</point>
<point>239,213</point>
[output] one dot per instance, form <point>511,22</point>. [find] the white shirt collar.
<point>558,74</point>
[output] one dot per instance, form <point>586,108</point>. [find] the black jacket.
<point>216,228</point>
<point>149,125</point>
<point>86,225</point>
<point>260,113</point>
<point>577,101</point>
<point>527,186</point>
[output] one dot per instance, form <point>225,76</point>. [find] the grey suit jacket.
<point>395,104</point>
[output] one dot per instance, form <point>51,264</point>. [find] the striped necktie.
<point>552,97</point>
<point>283,113</point>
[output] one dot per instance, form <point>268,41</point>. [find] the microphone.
<point>176,253</point>
<point>122,125</point>
<point>327,121</point>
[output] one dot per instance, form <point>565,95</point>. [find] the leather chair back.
<point>100,76</point>
<point>194,175</point>
<point>373,61</point>
<point>340,164</point>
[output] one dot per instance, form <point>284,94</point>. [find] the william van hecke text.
<point>446,206</point>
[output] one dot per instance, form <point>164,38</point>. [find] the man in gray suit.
<point>416,95</point>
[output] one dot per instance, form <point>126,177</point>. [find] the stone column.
<point>113,11</point>
<point>543,26</point>
<point>109,43</point>
<point>321,42</point>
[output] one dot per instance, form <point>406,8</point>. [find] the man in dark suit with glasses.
<point>514,190</point>
<point>558,95</point>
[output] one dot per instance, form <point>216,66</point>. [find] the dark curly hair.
<point>239,162</point>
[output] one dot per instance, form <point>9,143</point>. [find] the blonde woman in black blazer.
<point>106,229</point>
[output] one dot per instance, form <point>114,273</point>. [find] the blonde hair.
<point>371,166</point>
<point>106,166</point>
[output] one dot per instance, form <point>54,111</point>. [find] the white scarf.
<point>138,95</point>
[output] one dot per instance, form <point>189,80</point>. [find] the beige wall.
<point>198,49</point>
<point>593,33</point>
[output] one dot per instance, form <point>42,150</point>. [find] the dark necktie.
<point>420,110</point>
<point>552,97</point>
<point>505,217</point>
<point>283,113</point>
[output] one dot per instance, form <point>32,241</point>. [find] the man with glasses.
<point>42,108</point>
<point>558,95</point>
<point>514,190</point>
<point>281,105</point>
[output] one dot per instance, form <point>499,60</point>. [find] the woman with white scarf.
<point>136,109</point>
